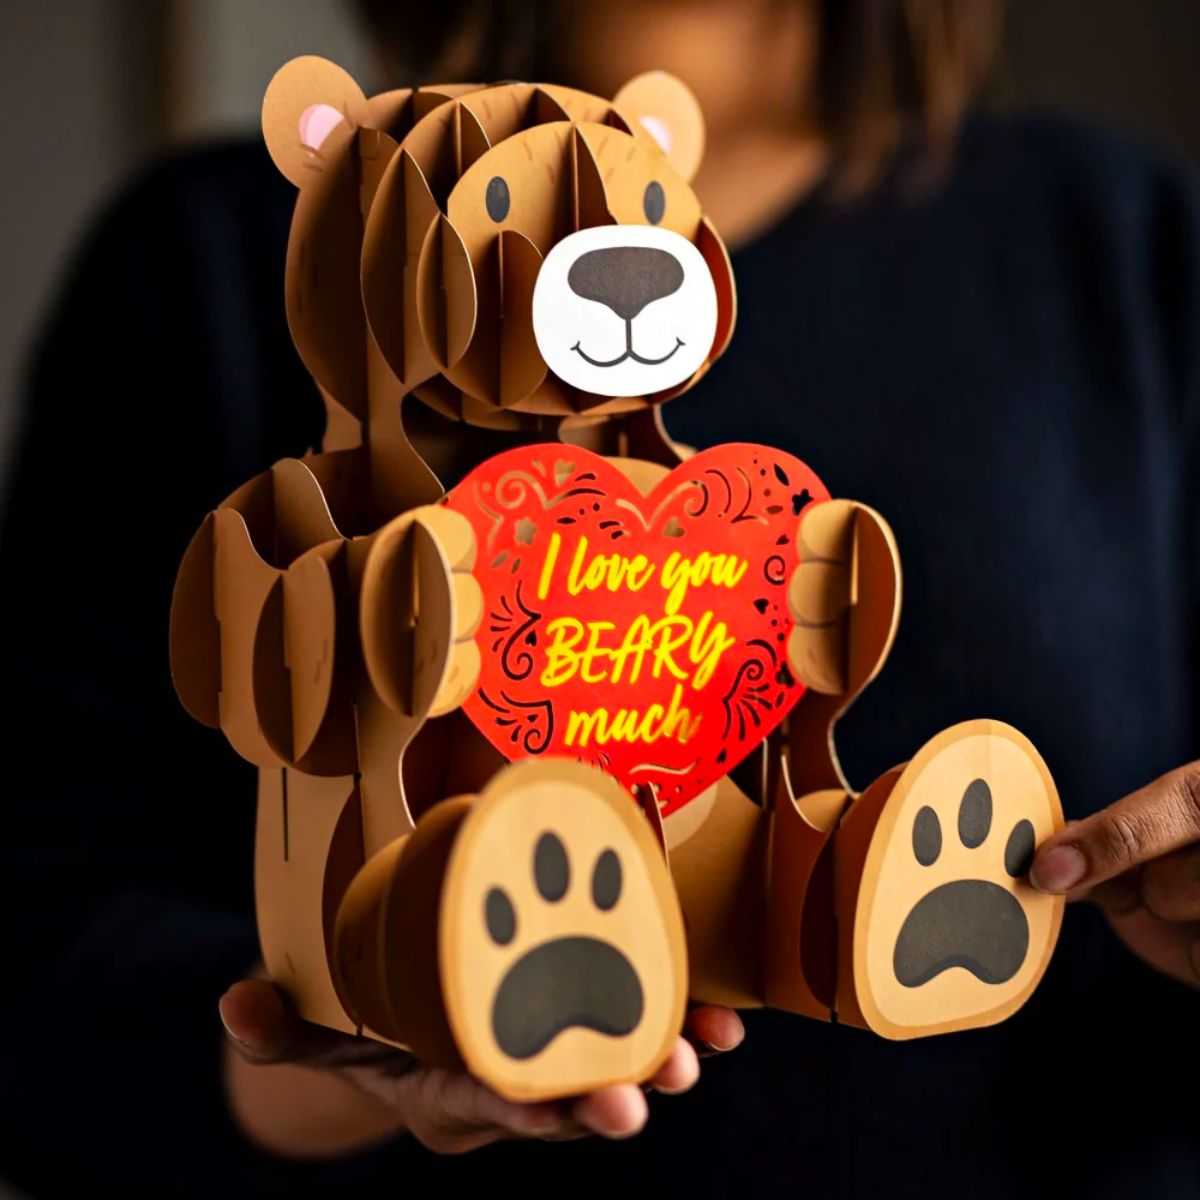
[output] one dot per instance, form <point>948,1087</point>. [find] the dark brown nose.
<point>625,278</point>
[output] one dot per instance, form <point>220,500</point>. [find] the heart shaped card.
<point>646,634</point>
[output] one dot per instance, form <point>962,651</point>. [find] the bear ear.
<point>667,110</point>
<point>306,101</point>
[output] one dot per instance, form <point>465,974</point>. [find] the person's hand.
<point>447,1111</point>
<point>1139,859</point>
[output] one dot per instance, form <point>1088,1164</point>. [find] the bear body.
<point>473,271</point>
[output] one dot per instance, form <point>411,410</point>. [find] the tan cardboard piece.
<point>473,270</point>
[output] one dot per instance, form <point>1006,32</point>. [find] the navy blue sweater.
<point>1008,368</point>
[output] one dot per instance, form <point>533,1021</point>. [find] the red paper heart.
<point>599,644</point>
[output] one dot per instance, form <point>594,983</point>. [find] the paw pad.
<point>975,924</point>
<point>570,982</point>
<point>561,939</point>
<point>948,934</point>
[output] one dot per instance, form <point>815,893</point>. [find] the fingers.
<point>449,1112</point>
<point>713,1029</point>
<point>679,1072</point>
<point>1154,821</point>
<point>1170,886</point>
<point>264,1028</point>
<point>612,1112</point>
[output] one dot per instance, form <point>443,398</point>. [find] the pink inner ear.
<point>660,131</point>
<point>316,123</point>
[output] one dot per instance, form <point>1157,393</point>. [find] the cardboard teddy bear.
<point>497,649</point>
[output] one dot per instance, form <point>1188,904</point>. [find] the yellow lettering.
<point>630,725</point>
<point>543,589</point>
<point>561,659</point>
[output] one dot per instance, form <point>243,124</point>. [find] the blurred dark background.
<point>91,88</point>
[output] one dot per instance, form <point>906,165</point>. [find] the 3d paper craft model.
<point>496,649</point>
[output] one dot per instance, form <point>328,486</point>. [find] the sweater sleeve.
<point>164,378</point>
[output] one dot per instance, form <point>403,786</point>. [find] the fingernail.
<point>233,1037</point>
<point>1058,870</point>
<point>723,1047</point>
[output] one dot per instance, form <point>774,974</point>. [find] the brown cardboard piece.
<point>329,619</point>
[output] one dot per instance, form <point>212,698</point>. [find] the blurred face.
<point>748,61</point>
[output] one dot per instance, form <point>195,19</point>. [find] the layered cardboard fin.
<point>308,847</point>
<point>386,956</point>
<point>227,609</point>
<point>304,662</point>
<point>845,598</point>
<point>722,885</point>
<point>590,204</point>
<point>447,303</point>
<point>471,142</point>
<point>391,112</point>
<point>401,479</point>
<point>521,369</point>
<point>407,573</point>
<point>242,583</point>
<point>433,95</point>
<point>195,637</point>
<point>399,221</point>
<point>312,631</point>
<point>710,245</point>
<point>343,430</point>
<point>384,736</point>
<point>323,298</point>
<point>301,513</point>
<point>713,250</point>
<point>800,954</point>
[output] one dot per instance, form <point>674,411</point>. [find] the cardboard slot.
<point>406,573</point>
<point>447,303</point>
<point>590,203</point>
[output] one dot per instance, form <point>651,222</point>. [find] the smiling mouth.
<point>630,353</point>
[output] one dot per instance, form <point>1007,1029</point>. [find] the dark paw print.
<point>972,923</point>
<point>576,980</point>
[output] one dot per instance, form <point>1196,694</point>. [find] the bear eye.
<point>497,199</point>
<point>654,202</point>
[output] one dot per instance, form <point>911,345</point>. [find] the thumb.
<point>263,1027</point>
<point>1153,821</point>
